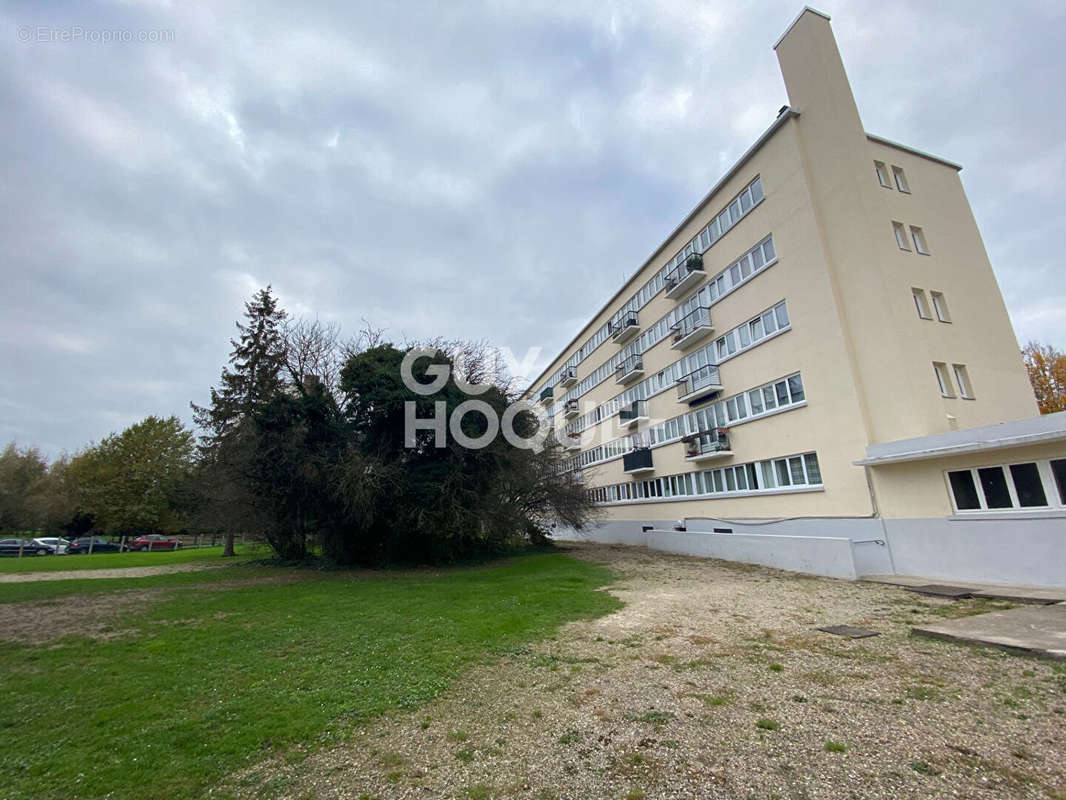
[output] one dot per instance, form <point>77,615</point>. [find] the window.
<point>901,236</point>
<point>943,379</point>
<point>940,306</point>
<point>964,490</point>
<point>962,377</point>
<point>1058,469</point>
<point>919,240</point>
<point>921,303</point>
<point>882,174</point>
<point>994,486</point>
<point>1028,485</point>
<point>901,179</point>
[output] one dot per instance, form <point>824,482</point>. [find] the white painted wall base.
<point>816,555</point>
<point>1028,551</point>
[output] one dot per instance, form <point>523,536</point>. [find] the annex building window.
<point>940,306</point>
<point>921,303</point>
<point>882,174</point>
<point>1002,487</point>
<point>901,180</point>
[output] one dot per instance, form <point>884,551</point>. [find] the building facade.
<point>829,295</point>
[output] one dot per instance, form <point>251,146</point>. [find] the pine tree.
<point>257,360</point>
<point>252,378</point>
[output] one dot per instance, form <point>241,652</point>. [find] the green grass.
<point>117,560</point>
<point>208,682</point>
<point>768,725</point>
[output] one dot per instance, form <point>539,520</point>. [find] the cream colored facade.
<point>854,335</point>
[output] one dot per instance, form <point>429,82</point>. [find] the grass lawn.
<point>192,685</point>
<point>115,560</point>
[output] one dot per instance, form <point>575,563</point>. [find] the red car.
<point>153,541</point>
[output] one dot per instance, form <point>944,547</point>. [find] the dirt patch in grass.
<point>97,616</point>
<point>676,695</point>
<point>122,572</point>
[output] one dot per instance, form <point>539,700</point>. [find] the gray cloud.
<point>481,170</point>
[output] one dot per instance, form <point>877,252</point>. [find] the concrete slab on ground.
<point>1017,593</point>
<point>1035,629</point>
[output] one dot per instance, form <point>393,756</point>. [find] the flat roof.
<point>799,16</point>
<point>1016,433</point>
<point>914,151</point>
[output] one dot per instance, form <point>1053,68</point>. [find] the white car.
<point>55,545</point>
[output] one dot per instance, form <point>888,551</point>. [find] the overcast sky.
<point>485,171</point>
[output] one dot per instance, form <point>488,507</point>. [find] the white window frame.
<point>921,303</point>
<point>882,174</point>
<point>962,378</point>
<point>901,235</point>
<point>943,377</point>
<point>940,306</point>
<point>920,245</point>
<point>901,179</point>
<point>1047,479</point>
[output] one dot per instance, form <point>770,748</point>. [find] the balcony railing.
<point>698,383</point>
<point>568,377</point>
<point>629,415</point>
<point>637,460</point>
<point>570,409</point>
<point>691,328</point>
<point>707,445</point>
<point>546,395</point>
<point>624,327</point>
<point>572,441</point>
<point>685,276</point>
<point>629,370</point>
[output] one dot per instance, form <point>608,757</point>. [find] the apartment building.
<point>805,372</point>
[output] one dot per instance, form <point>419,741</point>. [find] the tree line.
<point>303,444</point>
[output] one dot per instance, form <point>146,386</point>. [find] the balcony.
<point>691,328</point>
<point>629,370</point>
<point>637,461</point>
<point>546,395</point>
<point>570,409</point>
<point>707,445</point>
<point>568,378</point>
<point>698,384</point>
<point>634,413</point>
<point>572,441</point>
<point>685,276</point>
<point>624,327</point>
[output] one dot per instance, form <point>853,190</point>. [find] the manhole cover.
<point>940,590</point>
<point>850,631</point>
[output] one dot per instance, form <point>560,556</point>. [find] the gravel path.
<point>119,572</point>
<point>712,682</point>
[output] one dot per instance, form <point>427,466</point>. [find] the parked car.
<point>55,545</point>
<point>100,545</point>
<point>11,547</point>
<point>154,541</point>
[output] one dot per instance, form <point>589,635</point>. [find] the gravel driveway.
<point>712,682</point>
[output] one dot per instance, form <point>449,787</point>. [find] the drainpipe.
<point>877,515</point>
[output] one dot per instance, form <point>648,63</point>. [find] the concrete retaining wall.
<point>817,555</point>
<point>1009,550</point>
